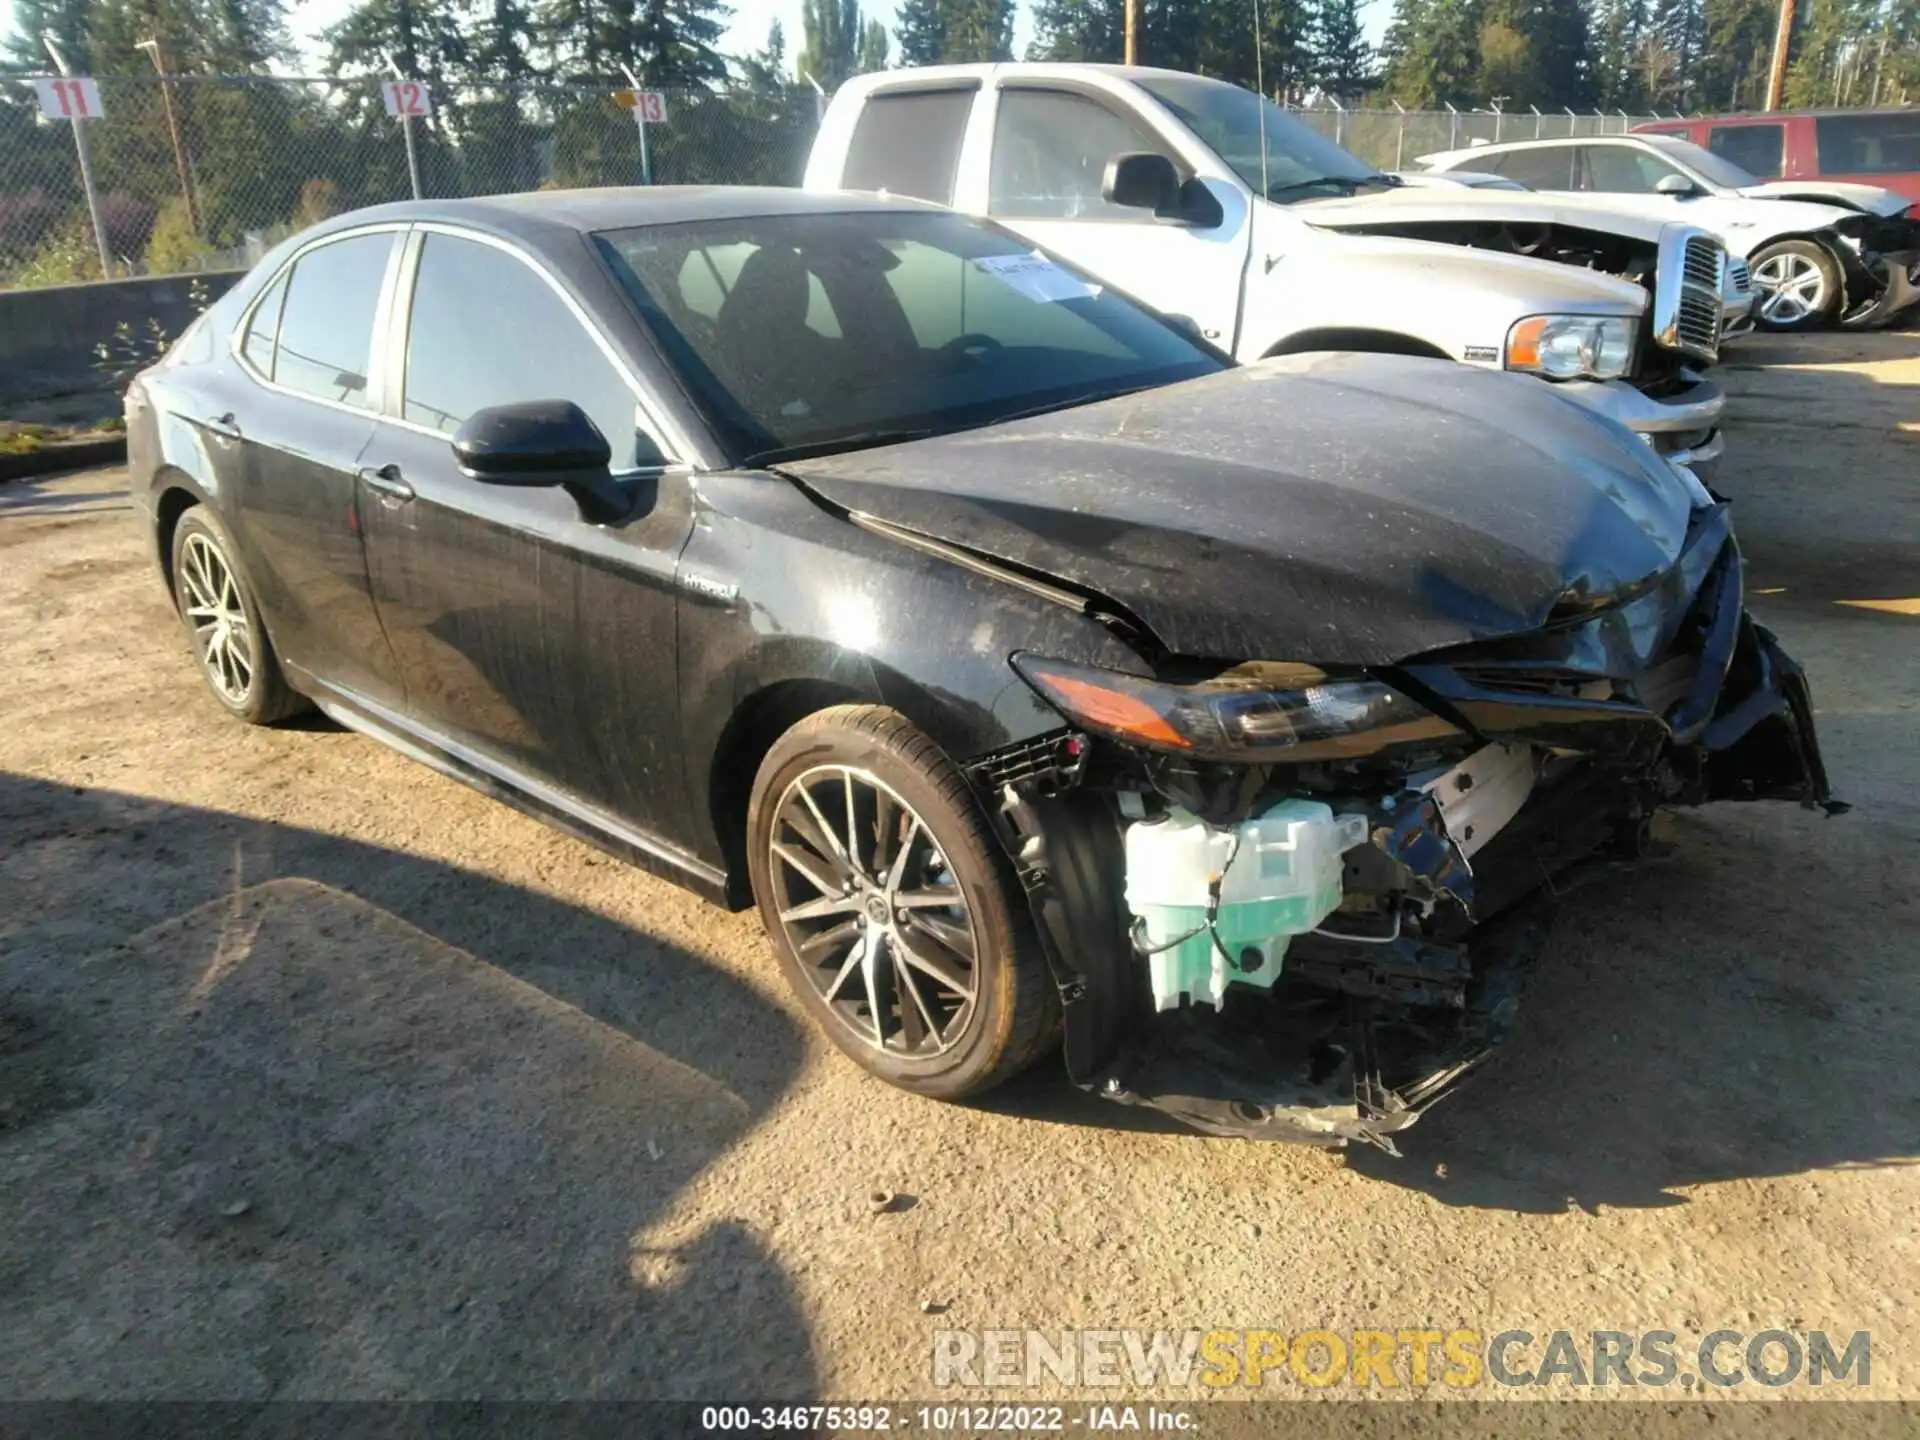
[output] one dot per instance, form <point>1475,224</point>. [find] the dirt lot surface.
<point>322,1076</point>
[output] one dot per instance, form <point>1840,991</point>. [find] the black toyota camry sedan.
<point>1042,677</point>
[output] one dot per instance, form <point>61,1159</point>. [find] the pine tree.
<point>1732,70</point>
<point>1678,26</point>
<point>977,30</point>
<point>832,31</point>
<point>1078,30</point>
<point>1619,27</point>
<point>668,44</point>
<point>65,20</point>
<point>920,31</point>
<point>423,37</point>
<point>1342,59</point>
<point>765,71</point>
<point>872,54</point>
<point>1436,53</point>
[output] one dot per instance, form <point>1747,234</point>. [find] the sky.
<point>747,33</point>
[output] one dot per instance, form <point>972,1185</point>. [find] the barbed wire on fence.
<point>265,156</point>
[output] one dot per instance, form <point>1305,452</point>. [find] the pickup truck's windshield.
<point>804,334</point>
<point>1301,163</point>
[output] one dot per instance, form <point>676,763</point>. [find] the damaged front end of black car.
<point>1458,789</point>
<point>1298,896</point>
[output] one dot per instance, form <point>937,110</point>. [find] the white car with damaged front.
<point>1819,250</point>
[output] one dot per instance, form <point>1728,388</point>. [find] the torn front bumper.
<point>1675,697</point>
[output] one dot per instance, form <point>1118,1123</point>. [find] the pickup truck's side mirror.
<point>1142,180</point>
<point>1675,185</point>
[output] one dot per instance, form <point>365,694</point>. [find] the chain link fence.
<point>204,173</point>
<point>243,161</point>
<point>1395,139</point>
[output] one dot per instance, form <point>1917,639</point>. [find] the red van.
<point>1870,147</point>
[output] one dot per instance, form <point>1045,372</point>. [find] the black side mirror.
<point>534,442</point>
<point>1142,180</point>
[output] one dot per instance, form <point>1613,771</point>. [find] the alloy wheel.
<point>221,632</point>
<point>1792,288</point>
<point>874,913</point>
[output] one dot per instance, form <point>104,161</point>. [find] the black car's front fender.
<point>782,596</point>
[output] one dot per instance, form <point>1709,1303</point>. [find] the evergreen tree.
<point>977,30</point>
<point>1342,59</point>
<point>832,32</point>
<point>1732,69</point>
<point>1678,25</point>
<point>872,54</point>
<point>1436,53</point>
<point>65,20</point>
<point>668,44</point>
<point>1619,27</point>
<point>765,71</point>
<point>1078,30</point>
<point>424,38</point>
<point>920,31</point>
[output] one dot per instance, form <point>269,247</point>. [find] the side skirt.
<point>523,792</point>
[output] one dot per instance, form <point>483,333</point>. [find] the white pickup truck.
<point>1210,204</point>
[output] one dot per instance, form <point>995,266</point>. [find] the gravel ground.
<point>322,1076</point>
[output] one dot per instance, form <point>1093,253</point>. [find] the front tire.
<point>216,604</point>
<point>896,918</point>
<point>1800,285</point>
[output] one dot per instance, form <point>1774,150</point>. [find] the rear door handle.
<point>387,481</point>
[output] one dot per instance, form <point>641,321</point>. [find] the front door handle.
<point>224,426</point>
<point>387,481</point>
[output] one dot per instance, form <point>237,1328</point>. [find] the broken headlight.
<point>1254,712</point>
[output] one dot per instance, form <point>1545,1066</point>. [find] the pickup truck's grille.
<point>1686,293</point>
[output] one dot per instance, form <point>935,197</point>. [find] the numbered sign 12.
<point>649,106</point>
<point>406,98</point>
<point>69,97</point>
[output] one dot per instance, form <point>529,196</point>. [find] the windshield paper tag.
<point>1036,277</point>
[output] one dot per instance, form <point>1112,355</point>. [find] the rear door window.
<point>908,143</point>
<point>326,324</point>
<point>1756,149</point>
<point>1869,144</point>
<point>1546,167</point>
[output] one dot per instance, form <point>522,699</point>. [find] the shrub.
<point>176,245</point>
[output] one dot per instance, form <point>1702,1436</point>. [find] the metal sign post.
<point>405,99</point>
<point>649,108</point>
<point>75,99</point>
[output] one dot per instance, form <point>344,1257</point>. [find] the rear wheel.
<point>1799,284</point>
<point>217,606</point>
<point>895,917</point>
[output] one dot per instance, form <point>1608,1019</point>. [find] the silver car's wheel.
<point>222,634</point>
<point>871,909</point>
<point>1799,285</point>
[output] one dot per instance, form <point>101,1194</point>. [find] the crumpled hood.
<point>1870,198</point>
<point>1334,508</point>
<point>1425,204</point>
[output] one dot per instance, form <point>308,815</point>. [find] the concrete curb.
<point>70,455</point>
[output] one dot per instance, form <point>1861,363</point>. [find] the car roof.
<point>921,75</point>
<point>540,213</point>
<point>1774,117</point>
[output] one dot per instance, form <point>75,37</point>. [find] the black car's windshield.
<point>1301,163</point>
<point>805,333</point>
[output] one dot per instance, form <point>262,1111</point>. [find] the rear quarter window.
<point>1869,144</point>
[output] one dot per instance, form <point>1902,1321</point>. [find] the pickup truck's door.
<point>1049,157</point>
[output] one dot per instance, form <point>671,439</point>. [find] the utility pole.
<point>86,168</point>
<point>152,47</point>
<point>1777,74</point>
<point>1133,32</point>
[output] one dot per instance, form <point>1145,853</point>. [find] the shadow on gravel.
<point>1748,1009</point>
<point>278,1120</point>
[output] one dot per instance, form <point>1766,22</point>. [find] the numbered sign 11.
<point>69,97</point>
<point>406,99</point>
<point>649,106</point>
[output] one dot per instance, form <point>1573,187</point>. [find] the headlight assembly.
<point>1255,712</point>
<point>1572,347</point>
